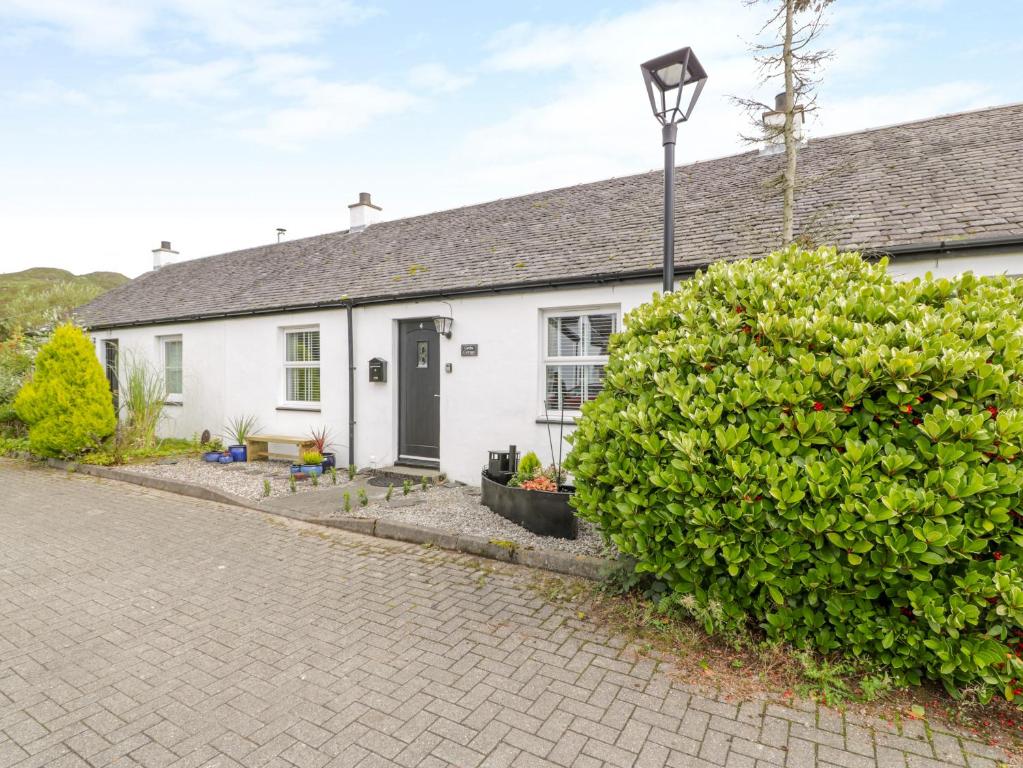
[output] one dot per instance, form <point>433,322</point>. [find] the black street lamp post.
<point>666,78</point>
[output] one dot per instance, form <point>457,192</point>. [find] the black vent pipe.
<point>351,387</point>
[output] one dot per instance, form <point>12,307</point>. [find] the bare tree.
<point>792,29</point>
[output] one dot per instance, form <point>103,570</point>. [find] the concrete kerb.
<point>581,566</point>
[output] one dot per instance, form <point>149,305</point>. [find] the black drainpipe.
<point>351,388</point>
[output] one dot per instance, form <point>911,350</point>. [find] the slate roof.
<point>951,178</point>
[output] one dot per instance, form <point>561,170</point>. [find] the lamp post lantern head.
<point>668,78</point>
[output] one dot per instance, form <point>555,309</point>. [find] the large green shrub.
<point>807,443</point>
<point>67,403</point>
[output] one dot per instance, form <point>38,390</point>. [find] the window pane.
<point>173,379</point>
<point>303,385</point>
<point>594,381</point>
<point>563,336</point>
<point>302,347</point>
<point>172,366</point>
<point>569,386</point>
<point>599,329</point>
<point>172,353</point>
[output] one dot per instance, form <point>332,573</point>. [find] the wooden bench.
<point>258,446</point>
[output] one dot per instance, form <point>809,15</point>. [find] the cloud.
<point>588,117</point>
<point>185,82</point>
<point>438,78</point>
<point>324,109</point>
<point>95,25</point>
<point>874,110</point>
<point>263,24</point>
<point>124,27</point>
<point>591,118</point>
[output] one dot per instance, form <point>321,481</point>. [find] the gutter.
<point>945,246</point>
<point>894,251</point>
<point>568,282</point>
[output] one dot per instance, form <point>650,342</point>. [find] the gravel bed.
<point>455,509</point>
<point>243,479</point>
<point>458,510</point>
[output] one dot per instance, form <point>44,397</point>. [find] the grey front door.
<point>418,393</point>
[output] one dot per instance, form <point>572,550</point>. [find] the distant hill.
<point>40,278</point>
<point>42,296</point>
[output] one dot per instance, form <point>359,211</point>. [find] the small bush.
<point>312,457</point>
<point>240,427</point>
<point>528,466</point>
<point>809,444</point>
<point>66,404</point>
<point>143,393</point>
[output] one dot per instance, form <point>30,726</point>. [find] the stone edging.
<point>581,566</point>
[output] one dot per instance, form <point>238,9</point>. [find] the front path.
<point>139,628</point>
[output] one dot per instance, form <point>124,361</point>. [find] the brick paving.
<point>139,628</point>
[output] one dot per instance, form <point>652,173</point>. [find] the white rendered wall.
<point>950,266</point>
<point>234,367</point>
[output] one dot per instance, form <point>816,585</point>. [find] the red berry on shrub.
<point>997,555</point>
<point>909,409</point>
<point>917,421</point>
<point>818,405</point>
<point>847,408</point>
<point>919,398</point>
<point>740,309</point>
<point>993,411</point>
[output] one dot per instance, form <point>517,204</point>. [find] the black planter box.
<point>542,512</point>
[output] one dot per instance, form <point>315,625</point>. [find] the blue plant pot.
<point>212,456</point>
<point>238,452</point>
<point>328,461</point>
<point>312,469</point>
<point>226,459</point>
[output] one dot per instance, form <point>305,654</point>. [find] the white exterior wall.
<point>235,366</point>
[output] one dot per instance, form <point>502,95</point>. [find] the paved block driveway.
<point>138,628</point>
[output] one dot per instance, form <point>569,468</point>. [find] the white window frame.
<point>171,397</point>
<point>545,359</point>
<point>311,405</point>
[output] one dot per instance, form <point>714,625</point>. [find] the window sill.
<point>569,419</point>
<point>176,403</point>
<point>306,408</point>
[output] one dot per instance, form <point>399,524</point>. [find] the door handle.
<point>436,395</point>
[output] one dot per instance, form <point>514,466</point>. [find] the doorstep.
<point>399,473</point>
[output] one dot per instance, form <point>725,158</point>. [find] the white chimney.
<point>363,213</point>
<point>163,255</point>
<point>774,126</point>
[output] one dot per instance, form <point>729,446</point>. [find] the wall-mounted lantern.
<point>443,326</point>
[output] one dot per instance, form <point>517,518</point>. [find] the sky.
<point>210,123</point>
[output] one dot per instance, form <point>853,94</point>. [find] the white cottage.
<point>430,340</point>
